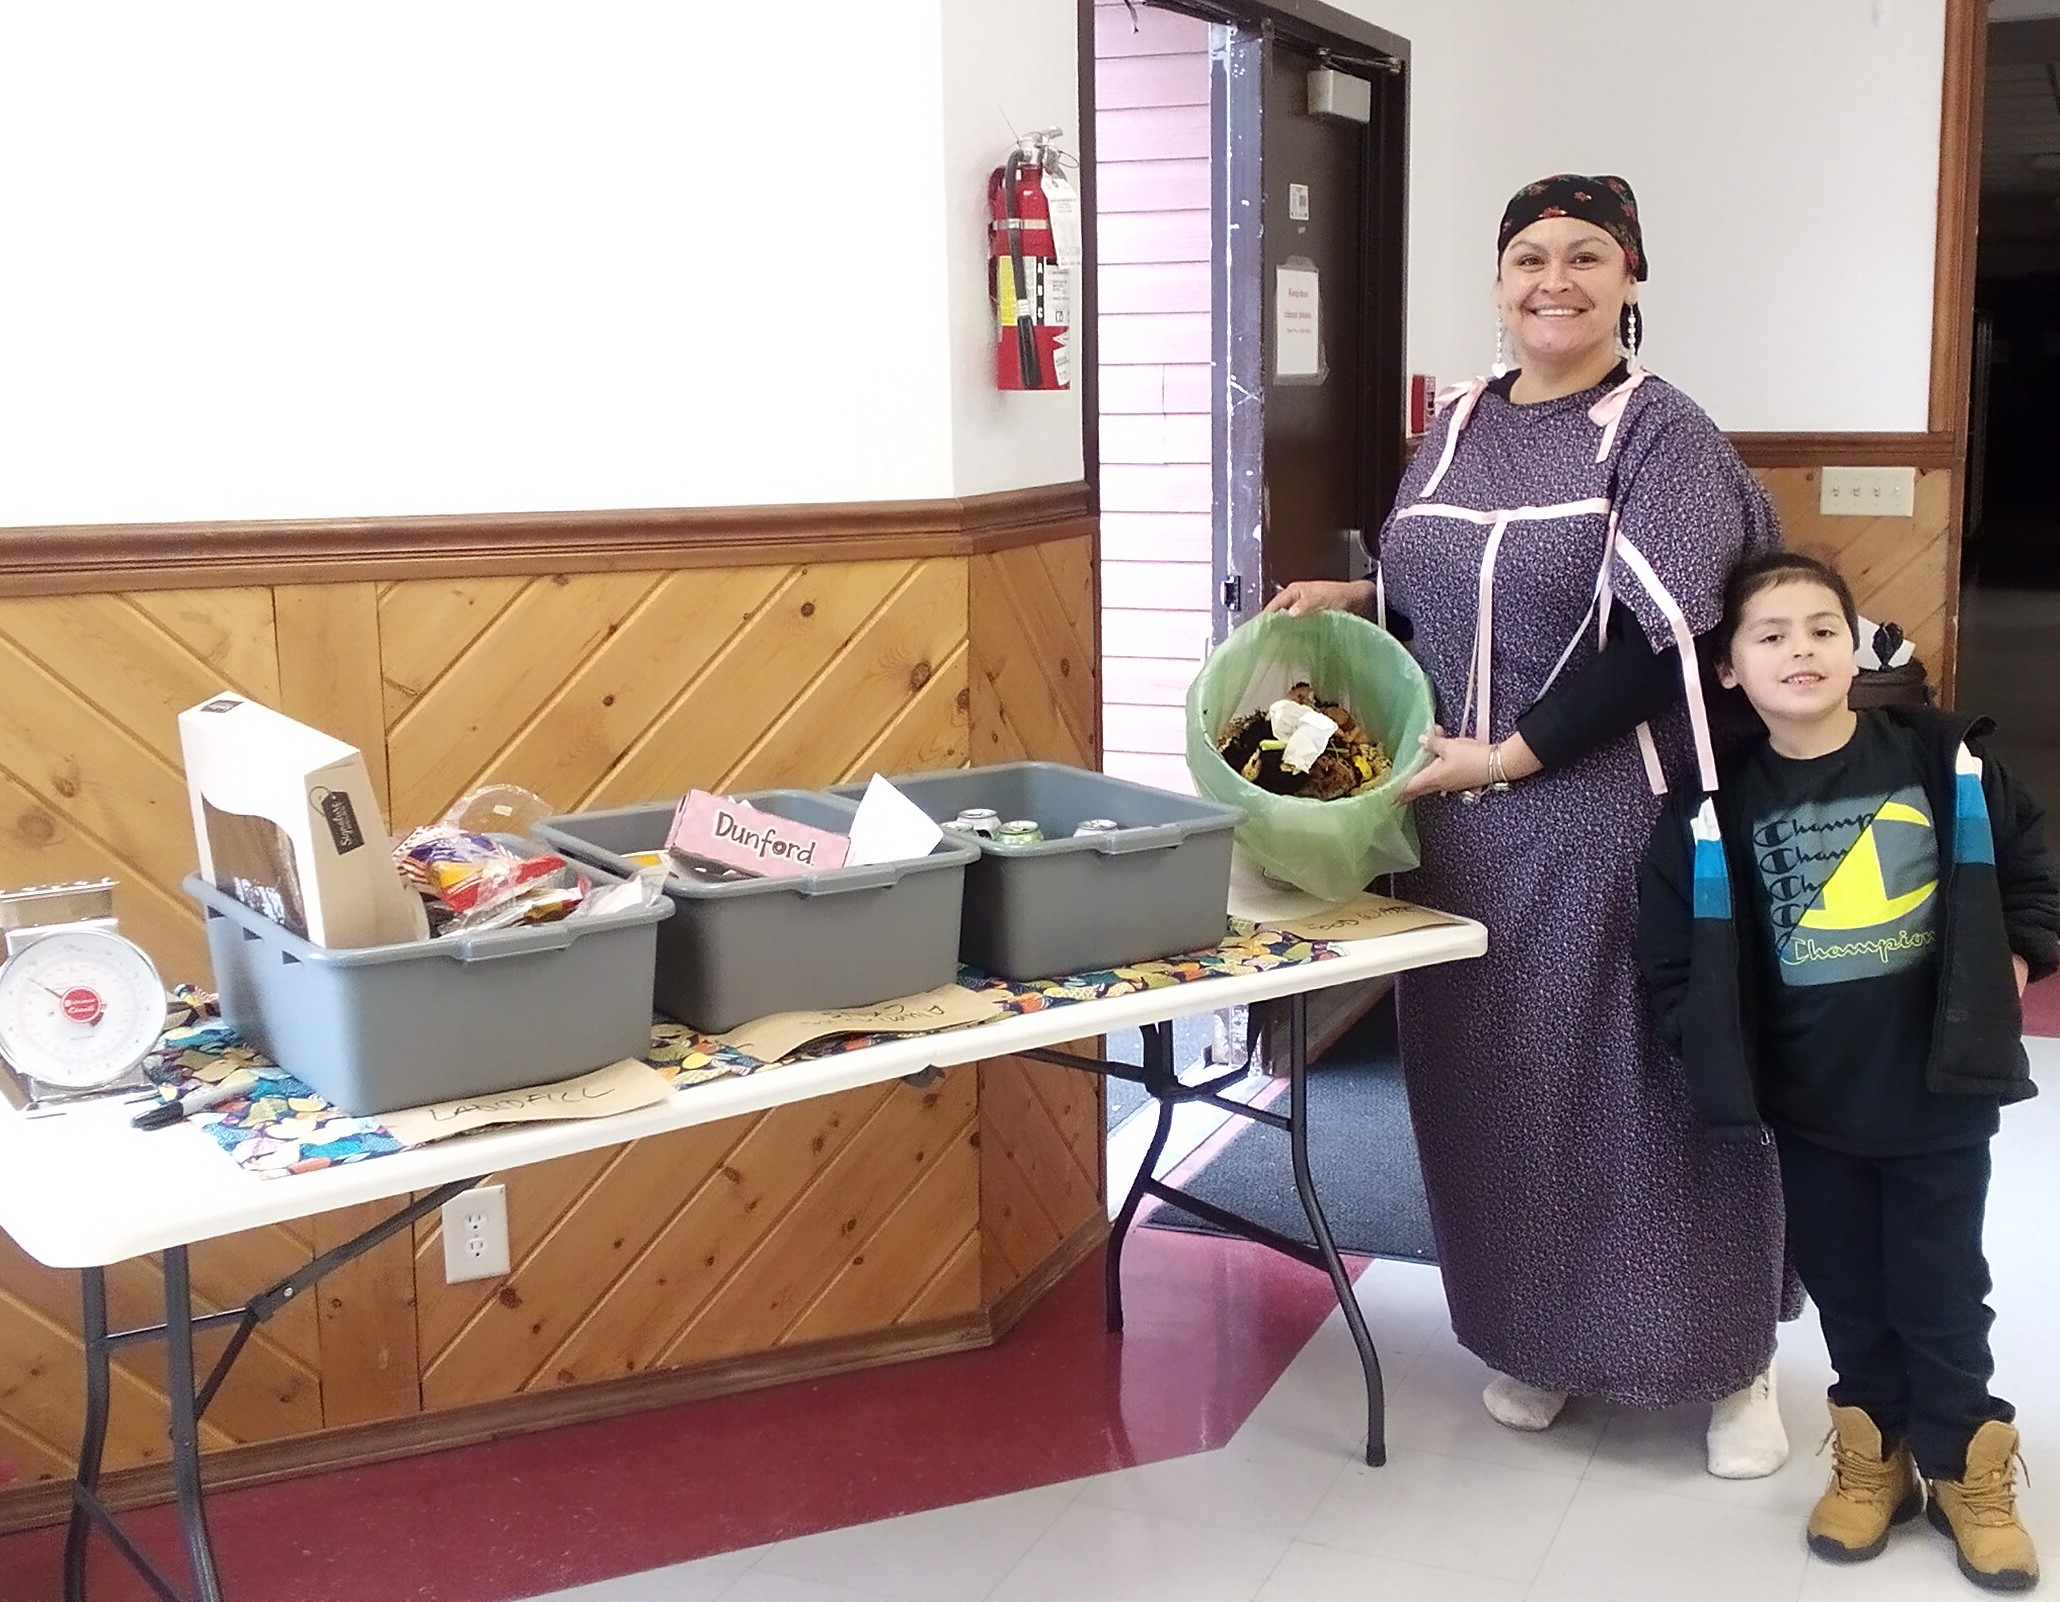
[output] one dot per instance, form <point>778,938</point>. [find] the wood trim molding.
<point>73,559</point>
<point>1959,199</point>
<point>1952,292</point>
<point>1028,1291</point>
<point>49,1502</point>
<point>1926,450</point>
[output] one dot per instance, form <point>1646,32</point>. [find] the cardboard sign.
<point>286,821</point>
<point>732,834</point>
<point>619,1087</point>
<point>1364,917</point>
<point>946,1007</point>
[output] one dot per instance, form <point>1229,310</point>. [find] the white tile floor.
<point>1609,1506</point>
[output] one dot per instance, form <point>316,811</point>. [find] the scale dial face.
<point>79,1008</point>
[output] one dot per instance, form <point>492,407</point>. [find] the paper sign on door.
<point>1297,349</point>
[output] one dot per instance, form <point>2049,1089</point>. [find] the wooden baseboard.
<point>355,1446</point>
<point>1025,1294</point>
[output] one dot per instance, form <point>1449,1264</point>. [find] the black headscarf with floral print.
<point>1604,201</point>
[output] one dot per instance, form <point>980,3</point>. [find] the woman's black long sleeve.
<point>1625,684</point>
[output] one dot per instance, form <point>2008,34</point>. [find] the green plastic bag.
<point>1331,849</point>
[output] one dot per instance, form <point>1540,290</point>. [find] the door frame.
<point>1383,310</point>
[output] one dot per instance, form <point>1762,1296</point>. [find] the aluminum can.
<point>982,821</point>
<point>1096,826</point>
<point>1018,831</point>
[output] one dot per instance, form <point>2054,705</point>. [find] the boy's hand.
<point>2023,973</point>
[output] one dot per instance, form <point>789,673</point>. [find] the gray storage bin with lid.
<point>1064,905</point>
<point>375,1028</point>
<point>740,949</point>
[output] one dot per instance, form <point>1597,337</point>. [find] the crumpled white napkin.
<point>1305,730</point>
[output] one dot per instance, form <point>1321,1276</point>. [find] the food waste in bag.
<point>1303,745</point>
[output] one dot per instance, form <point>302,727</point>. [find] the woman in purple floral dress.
<point>1559,541</point>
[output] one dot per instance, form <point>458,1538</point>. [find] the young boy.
<point>1836,942</point>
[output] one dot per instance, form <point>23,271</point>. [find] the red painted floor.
<point>2042,1007</point>
<point>1211,1325</point>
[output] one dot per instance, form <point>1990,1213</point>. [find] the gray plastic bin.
<point>745,948</point>
<point>1158,886</point>
<point>377,1028</point>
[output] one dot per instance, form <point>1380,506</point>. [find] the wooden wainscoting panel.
<point>230,630</point>
<point>932,730</point>
<point>611,701</point>
<point>858,697</point>
<point>90,776</point>
<point>1900,568</point>
<point>365,1312</point>
<point>911,1268</point>
<point>452,738</point>
<point>713,1217</point>
<point>810,1246</point>
<point>739,705</point>
<point>273,1393</point>
<point>427,624</point>
<point>1034,664</point>
<point>329,672</point>
<point>27,1460</point>
<point>1040,1163</point>
<point>573,1251</point>
<point>808,1223</point>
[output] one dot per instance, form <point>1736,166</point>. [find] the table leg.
<point>1319,1227</point>
<point>1157,1056</point>
<point>93,1444</point>
<point>185,1431</point>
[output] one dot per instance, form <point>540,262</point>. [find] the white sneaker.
<point>1747,1440</point>
<point>1519,1406</point>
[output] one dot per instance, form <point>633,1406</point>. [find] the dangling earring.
<point>1631,329</point>
<point>1501,365</point>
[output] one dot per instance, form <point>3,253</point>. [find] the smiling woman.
<point>1560,541</point>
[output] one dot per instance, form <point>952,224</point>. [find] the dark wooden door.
<point>1314,196</point>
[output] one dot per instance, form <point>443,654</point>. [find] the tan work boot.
<point>1979,1511</point>
<point>1869,1491</point>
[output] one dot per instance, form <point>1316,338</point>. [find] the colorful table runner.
<point>286,1128</point>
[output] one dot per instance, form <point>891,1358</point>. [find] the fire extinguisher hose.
<point>1026,333</point>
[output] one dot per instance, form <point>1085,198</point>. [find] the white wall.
<point>1785,157</point>
<point>1000,439</point>
<point>271,260</point>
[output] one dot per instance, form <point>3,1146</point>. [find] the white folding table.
<point>80,1188</point>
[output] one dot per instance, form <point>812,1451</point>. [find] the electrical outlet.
<point>475,1235</point>
<point>1868,492</point>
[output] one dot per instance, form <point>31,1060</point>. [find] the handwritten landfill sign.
<point>619,1087</point>
<point>1364,917</point>
<point>946,1007</point>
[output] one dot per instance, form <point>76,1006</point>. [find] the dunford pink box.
<point>734,834</point>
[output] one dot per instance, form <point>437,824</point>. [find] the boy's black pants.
<point>1889,1249</point>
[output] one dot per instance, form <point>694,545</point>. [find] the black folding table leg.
<point>1305,1187</point>
<point>186,1425</point>
<point>93,1444</point>
<point>1157,1042</point>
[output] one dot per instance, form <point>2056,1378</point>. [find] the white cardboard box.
<point>287,822</point>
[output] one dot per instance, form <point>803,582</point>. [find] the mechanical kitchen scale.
<point>80,1006</point>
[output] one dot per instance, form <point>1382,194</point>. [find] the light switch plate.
<point>1868,492</point>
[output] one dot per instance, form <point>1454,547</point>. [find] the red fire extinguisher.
<point>1032,259</point>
